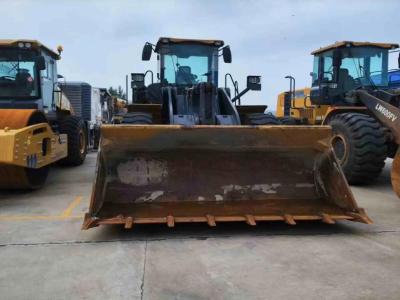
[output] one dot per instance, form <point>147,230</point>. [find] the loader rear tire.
<point>359,144</point>
<point>261,119</point>
<point>75,129</point>
<point>137,118</point>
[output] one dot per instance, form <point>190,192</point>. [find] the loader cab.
<point>28,75</point>
<point>346,66</point>
<point>187,91</point>
<point>187,64</point>
<point>182,64</point>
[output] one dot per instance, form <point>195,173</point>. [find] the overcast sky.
<point>103,40</point>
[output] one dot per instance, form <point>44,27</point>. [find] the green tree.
<point>117,92</point>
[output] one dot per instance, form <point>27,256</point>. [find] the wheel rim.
<point>340,148</point>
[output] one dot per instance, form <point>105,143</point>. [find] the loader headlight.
<point>28,45</point>
<point>21,44</point>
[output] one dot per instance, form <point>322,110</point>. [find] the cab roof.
<point>34,44</point>
<point>344,44</point>
<point>171,40</point>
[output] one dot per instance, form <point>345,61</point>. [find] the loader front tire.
<point>359,144</point>
<point>75,129</point>
<point>261,119</point>
<point>137,118</point>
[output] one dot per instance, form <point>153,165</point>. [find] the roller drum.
<point>15,177</point>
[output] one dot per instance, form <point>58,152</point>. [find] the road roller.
<point>37,124</point>
<point>188,150</point>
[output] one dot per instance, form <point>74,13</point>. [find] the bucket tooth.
<point>360,216</point>
<point>211,220</point>
<point>326,218</point>
<point>170,221</point>
<point>250,220</point>
<point>289,219</point>
<point>128,223</point>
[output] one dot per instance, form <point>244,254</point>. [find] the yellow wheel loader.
<point>186,151</point>
<point>350,91</point>
<point>37,125</point>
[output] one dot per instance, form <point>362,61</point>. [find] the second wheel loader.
<point>187,152</point>
<point>350,91</point>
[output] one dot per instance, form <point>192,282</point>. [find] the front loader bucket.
<point>172,174</point>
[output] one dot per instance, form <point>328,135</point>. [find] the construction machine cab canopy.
<point>32,44</point>
<point>21,63</point>
<point>169,40</point>
<point>348,44</point>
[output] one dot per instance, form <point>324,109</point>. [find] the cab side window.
<point>328,69</point>
<point>48,72</point>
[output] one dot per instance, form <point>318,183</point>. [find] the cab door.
<point>48,82</point>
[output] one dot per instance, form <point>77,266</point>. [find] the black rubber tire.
<point>288,121</point>
<point>261,119</point>
<point>364,146</point>
<point>137,118</point>
<point>75,129</point>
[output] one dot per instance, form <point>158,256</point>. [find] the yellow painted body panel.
<point>302,108</point>
<point>33,146</point>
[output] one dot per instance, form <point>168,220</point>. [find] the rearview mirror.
<point>254,83</point>
<point>146,53</point>
<point>227,54</point>
<point>40,63</point>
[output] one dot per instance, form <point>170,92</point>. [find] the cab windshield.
<point>183,64</point>
<point>360,67</point>
<point>18,74</point>
<point>368,66</point>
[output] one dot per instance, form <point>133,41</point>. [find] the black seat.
<point>345,81</point>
